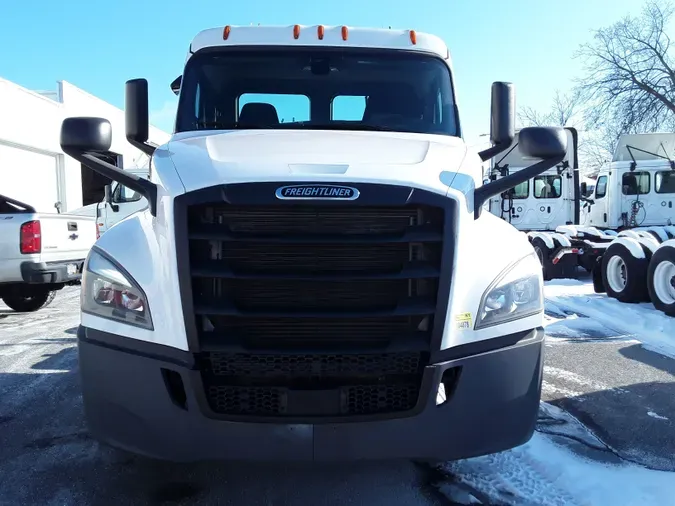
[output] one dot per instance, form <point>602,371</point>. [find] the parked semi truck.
<point>313,285</point>
<point>622,230</point>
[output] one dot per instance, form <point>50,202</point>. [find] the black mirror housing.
<point>502,119</point>
<point>542,142</point>
<point>503,113</point>
<point>136,115</point>
<point>584,188</point>
<point>86,134</point>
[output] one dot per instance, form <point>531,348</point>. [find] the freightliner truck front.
<point>318,287</point>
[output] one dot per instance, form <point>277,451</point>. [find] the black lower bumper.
<point>52,272</point>
<point>128,404</point>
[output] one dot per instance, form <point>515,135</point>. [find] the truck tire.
<point>661,280</point>
<point>28,303</point>
<point>544,254</point>
<point>623,275</point>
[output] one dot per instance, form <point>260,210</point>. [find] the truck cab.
<point>637,188</point>
<point>545,202</point>
<point>313,277</point>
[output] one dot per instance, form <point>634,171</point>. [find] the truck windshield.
<point>317,89</point>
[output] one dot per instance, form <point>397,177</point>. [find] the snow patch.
<point>543,472</point>
<point>657,416</point>
<point>642,322</point>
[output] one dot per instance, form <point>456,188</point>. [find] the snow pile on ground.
<point>544,473</point>
<point>643,322</point>
<point>550,471</point>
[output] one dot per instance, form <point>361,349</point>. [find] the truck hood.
<point>422,161</point>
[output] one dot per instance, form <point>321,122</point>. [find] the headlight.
<point>516,293</point>
<point>110,292</point>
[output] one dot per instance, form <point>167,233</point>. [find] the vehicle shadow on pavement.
<point>640,354</point>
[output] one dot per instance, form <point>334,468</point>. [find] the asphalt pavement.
<point>622,392</point>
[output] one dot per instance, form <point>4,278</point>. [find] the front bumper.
<point>51,272</point>
<point>128,404</point>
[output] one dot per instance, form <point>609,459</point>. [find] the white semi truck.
<point>622,230</point>
<point>312,280</point>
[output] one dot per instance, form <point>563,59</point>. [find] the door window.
<point>635,183</point>
<point>547,187</point>
<point>123,194</point>
<point>601,187</point>
<point>664,182</point>
<point>522,191</point>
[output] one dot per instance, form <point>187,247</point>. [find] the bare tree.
<point>565,111</point>
<point>629,80</point>
<point>598,147</point>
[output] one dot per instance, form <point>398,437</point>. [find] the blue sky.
<point>99,45</point>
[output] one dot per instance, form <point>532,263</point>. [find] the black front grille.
<point>315,299</point>
<point>308,365</point>
<point>343,384</point>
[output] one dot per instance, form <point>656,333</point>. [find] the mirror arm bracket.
<point>131,181</point>
<point>143,146</point>
<point>483,193</point>
<point>493,151</point>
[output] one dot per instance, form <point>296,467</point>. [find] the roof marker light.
<point>296,31</point>
<point>320,31</point>
<point>226,32</point>
<point>413,37</point>
<point>345,33</point>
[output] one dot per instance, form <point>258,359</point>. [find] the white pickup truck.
<point>39,253</point>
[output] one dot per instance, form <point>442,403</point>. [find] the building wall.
<point>31,122</point>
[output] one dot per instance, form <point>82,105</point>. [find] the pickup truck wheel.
<point>27,303</point>
<point>623,275</point>
<point>661,280</point>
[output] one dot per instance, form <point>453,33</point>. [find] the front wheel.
<point>661,280</point>
<point>624,275</point>
<point>28,302</point>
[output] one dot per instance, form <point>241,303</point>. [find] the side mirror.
<point>136,115</point>
<point>584,188</point>
<point>543,142</point>
<point>58,205</point>
<point>175,85</point>
<point>502,119</point>
<point>546,143</point>
<point>82,138</point>
<point>502,113</point>
<point>86,134</point>
<point>107,189</point>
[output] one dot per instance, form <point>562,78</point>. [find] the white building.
<point>33,169</point>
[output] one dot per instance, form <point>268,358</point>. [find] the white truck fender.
<point>632,244</point>
<point>544,236</point>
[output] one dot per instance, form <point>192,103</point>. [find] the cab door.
<point>636,199</point>
<point>664,186</point>
<point>125,203</point>
<point>597,209</point>
<point>550,205</point>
